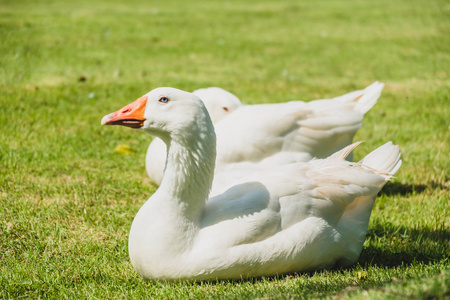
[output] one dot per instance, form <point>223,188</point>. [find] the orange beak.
<point>131,115</point>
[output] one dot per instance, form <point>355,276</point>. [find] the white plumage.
<point>270,220</point>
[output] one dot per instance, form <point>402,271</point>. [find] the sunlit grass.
<point>68,199</point>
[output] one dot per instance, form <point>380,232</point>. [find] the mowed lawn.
<point>68,198</point>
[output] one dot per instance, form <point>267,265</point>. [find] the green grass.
<point>68,200</point>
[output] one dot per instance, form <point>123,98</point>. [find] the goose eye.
<point>163,99</point>
<point>225,108</point>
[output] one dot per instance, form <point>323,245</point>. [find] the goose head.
<point>220,103</point>
<point>164,112</point>
<point>181,120</point>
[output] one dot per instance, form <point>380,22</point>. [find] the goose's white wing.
<point>255,132</point>
<point>336,191</point>
<point>245,213</point>
<point>309,129</point>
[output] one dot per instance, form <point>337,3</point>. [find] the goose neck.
<point>189,172</point>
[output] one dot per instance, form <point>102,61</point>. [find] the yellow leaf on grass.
<point>124,149</point>
<point>362,275</point>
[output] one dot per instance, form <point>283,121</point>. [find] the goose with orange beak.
<point>274,220</point>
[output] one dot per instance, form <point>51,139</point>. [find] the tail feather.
<point>385,160</point>
<point>343,153</point>
<point>369,97</point>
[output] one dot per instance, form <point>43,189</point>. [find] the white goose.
<point>276,133</point>
<point>218,102</point>
<point>296,217</point>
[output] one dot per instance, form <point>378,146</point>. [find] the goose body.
<point>270,220</point>
<point>278,133</point>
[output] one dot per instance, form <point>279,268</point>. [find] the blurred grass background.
<point>68,199</point>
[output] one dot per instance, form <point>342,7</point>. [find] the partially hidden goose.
<point>278,219</point>
<point>275,133</point>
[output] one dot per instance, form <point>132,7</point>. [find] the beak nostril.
<point>125,111</point>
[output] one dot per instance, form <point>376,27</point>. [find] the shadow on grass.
<point>398,246</point>
<point>404,189</point>
<point>395,246</point>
